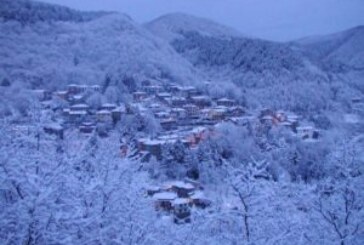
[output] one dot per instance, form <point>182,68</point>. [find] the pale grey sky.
<point>279,20</point>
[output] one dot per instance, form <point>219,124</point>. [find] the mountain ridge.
<point>28,11</point>
<point>187,50</point>
<point>180,22</point>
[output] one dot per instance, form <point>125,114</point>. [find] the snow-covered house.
<point>103,116</point>
<point>55,129</point>
<point>66,112</point>
<point>199,200</point>
<point>42,94</point>
<point>139,96</point>
<point>80,107</point>
<point>266,112</point>
<point>225,102</point>
<point>73,89</point>
<point>280,116</point>
<point>182,210</point>
<point>146,83</point>
<point>153,89</point>
<point>108,106</point>
<point>76,98</point>
<point>172,88</point>
<point>236,111</point>
<point>155,107</point>
<point>178,113</point>
<point>83,88</point>
<point>87,127</point>
<point>196,135</point>
<point>95,88</point>
<point>218,113</point>
<point>162,115</point>
<point>187,91</point>
<point>164,201</point>
<point>77,116</point>
<point>292,118</point>
<point>164,96</point>
<point>191,110</point>
<point>168,123</point>
<point>116,114</point>
<point>307,132</point>
<point>201,101</point>
<point>178,101</point>
<point>61,94</point>
<point>151,146</point>
<point>152,190</point>
<point>182,189</point>
<point>267,119</point>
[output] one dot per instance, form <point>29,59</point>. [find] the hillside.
<point>345,47</point>
<point>172,26</point>
<point>286,75</point>
<point>27,12</point>
<point>55,50</point>
<point>50,46</point>
<point>261,72</point>
<point>340,54</point>
<point>177,131</point>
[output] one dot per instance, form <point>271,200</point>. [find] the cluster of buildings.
<point>184,114</point>
<point>188,116</point>
<point>78,113</point>
<point>177,198</point>
<point>176,106</point>
<point>288,120</point>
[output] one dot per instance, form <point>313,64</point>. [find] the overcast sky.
<point>278,20</point>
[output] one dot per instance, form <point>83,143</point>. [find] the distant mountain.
<point>172,26</point>
<point>340,55</point>
<point>261,71</point>
<point>344,50</point>
<point>210,45</point>
<point>27,11</point>
<point>44,45</point>
<point>59,47</point>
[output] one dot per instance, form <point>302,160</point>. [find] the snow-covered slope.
<point>345,50</point>
<point>207,44</point>
<point>172,26</point>
<point>49,45</point>
<point>262,72</point>
<point>54,51</point>
<point>27,11</point>
<point>340,55</point>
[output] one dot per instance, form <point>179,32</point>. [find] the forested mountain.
<point>172,26</point>
<point>67,46</point>
<point>61,47</point>
<point>177,131</point>
<point>344,48</point>
<point>262,72</point>
<point>27,12</point>
<point>339,54</point>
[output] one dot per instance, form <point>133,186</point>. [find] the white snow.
<point>165,196</point>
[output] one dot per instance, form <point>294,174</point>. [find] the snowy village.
<point>182,114</point>
<point>181,122</point>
